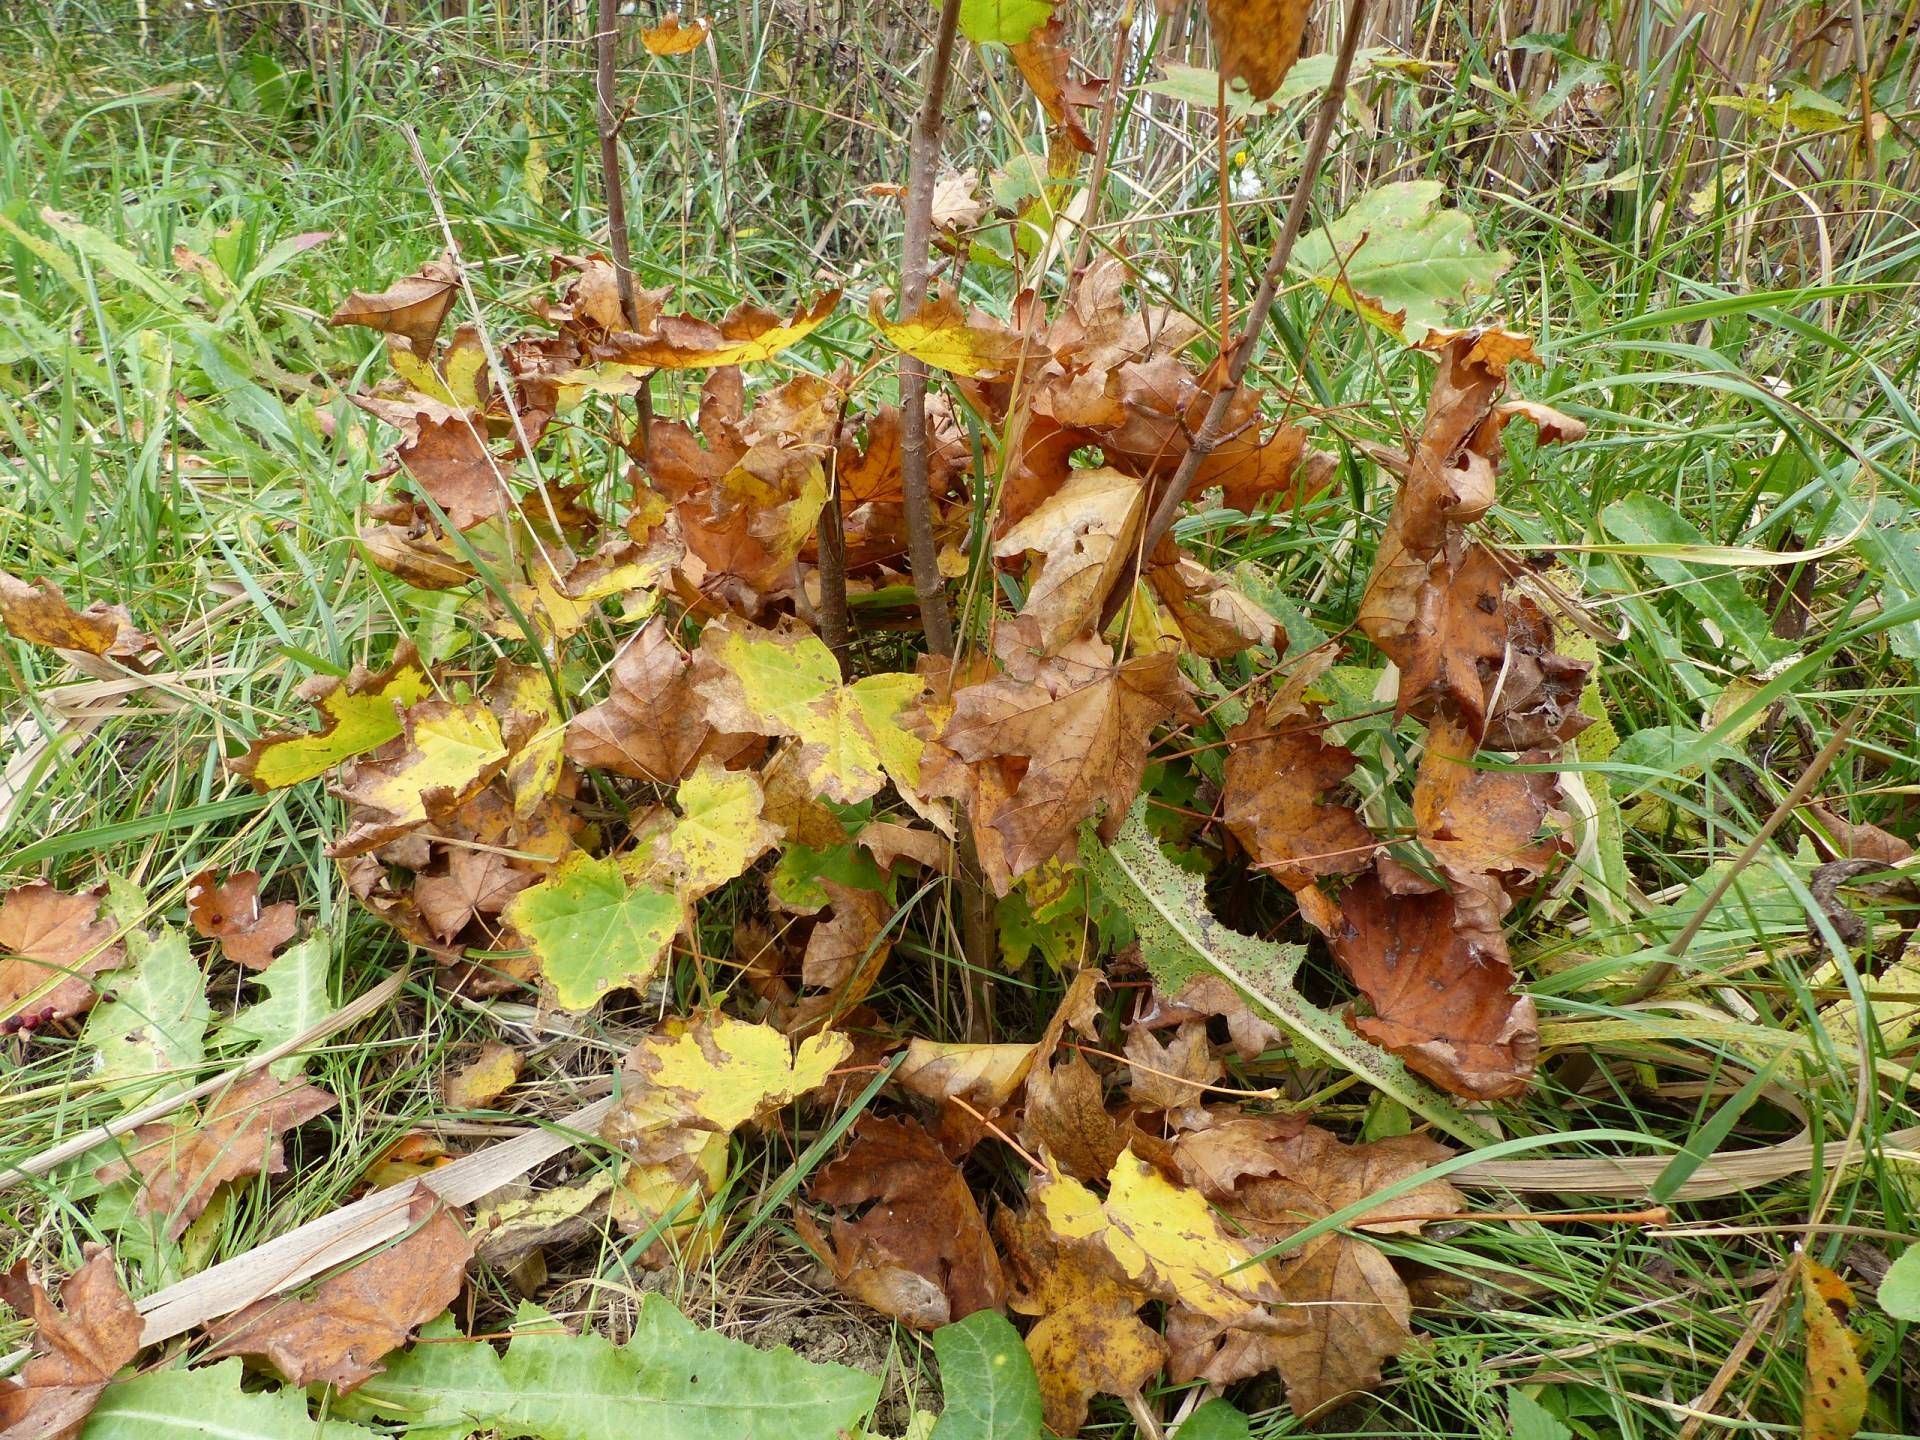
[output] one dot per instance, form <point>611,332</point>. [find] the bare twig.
<point>609,121</point>
<point>1213,429</point>
<point>923,158</point>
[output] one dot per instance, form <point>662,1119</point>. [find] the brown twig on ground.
<point>1213,429</point>
<point>923,159</point>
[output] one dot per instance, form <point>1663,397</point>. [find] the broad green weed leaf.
<point>1900,1290</point>
<point>296,986</point>
<point>208,1401</point>
<point>1398,259</point>
<point>1216,1420</point>
<point>1003,22</point>
<point>672,1380</point>
<point>151,1037</point>
<point>1730,616</point>
<point>988,1380</point>
<point>1530,1420</point>
<point>594,929</point>
<point>1180,939</point>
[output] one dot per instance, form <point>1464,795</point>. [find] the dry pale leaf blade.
<point>76,1349</point>
<point>921,1252</point>
<point>337,1336</point>
<point>230,911</point>
<point>181,1163</point>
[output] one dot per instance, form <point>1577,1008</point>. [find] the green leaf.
<point>205,1403</point>
<point>1900,1290</point>
<point>795,880</point>
<point>151,1036</point>
<point>1216,1420</point>
<point>296,986</point>
<point>1730,616</point>
<point>1195,85</point>
<point>1892,550</point>
<point>1003,22</point>
<point>987,1377</point>
<point>672,1380</point>
<point>594,928</point>
<point>1528,1419</point>
<point>1399,260</point>
<point>1180,939</point>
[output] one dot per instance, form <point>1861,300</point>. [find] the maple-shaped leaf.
<point>76,1349</point>
<point>745,335</point>
<point>483,1079</point>
<point>693,1079</point>
<point>1483,827</point>
<point>1083,537</point>
<point>1537,702</point>
<point>563,593</point>
<point>652,725</point>
<point>357,714</point>
<point>921,1253</point>
<point>985,1076</point>
<point>868,480</point>
<point>181,1163</point>
<point>594,928</point>
<point>1172,1075</point>
<point>851,940</point>
<point>1080,722</point>
<point>943,336</point>
<point>337,1336</point>
<point>40,615</point>
<point>1164,1238</point>
<point>474,883</point>
<point>1442,1000</point>
<point>50,944</point>
<point>533,731</point>
<point>1087,1338</point>
<point>230,911</point>
<point>150,1036</point>
<point>1397,259</point>
<point>671,37</point>
<point>445,452</point>
<point>1047,64</point>
<point>414,307</point>
<point>447,750</point>
<point>1258,40</point>
<point>1346,1309</point>
<point>787,682</point>
<point>721,831</point>
<point>297,1000</point>
<point>1282,780</point>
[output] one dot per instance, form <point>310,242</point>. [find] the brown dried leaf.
<point>182,1162</point>
<point>1441,1001</point>
<point>46,936</point>
<point>1258,40</point>
<point>747,333</point>
<point>651,725</point>
<point>1048,66</point>
<point>229,911</point>
<point>985,1076</point>
<point>852,940</point>
<point>76,1349</point>
<point>414,307</point>
<point>1215,619</point>
<point>921,1252</point>
<point>1175,1075</point>
<point>1279,771</point>
<point>1082,538</point>
<point>338,1336</point>
<point>670,37</point>
<point>1081,724</point>
<point>475,882</point>
<point>40,615</point>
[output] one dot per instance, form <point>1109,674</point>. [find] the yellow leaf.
<point>534,732</point>
<point>1834,1402</point>
<point>720,832</point>
<point>477,1084</point>
<point>720,1073</point>
<point>445,752</point>
<point>682,342</point>
<point>670,37</point>
<point>357,714</point>
<point>941,335</point>
<point>1163,1236</point>
<point>985,1076</point>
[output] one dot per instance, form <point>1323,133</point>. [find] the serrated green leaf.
<point>1003,22</point>
<point>672,1380</point>
<point>296,986</point>
<point>594,928</point>
<point>987,1377</point>
<point>1396,258</point>
<point>1528,1419</point>
<point>1900,1290</point>
<point>1180,939</point>
<point>1216,1420</point>
<point>208,1404</point>
<point>152,1035</point>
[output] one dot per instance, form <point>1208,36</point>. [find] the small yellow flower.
<point>1240,158</point>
